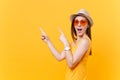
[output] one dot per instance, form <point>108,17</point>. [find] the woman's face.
<point>80,25</point>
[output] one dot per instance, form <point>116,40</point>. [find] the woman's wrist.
<point>67,48</point>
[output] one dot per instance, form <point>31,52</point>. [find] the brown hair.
<point>74,34</point>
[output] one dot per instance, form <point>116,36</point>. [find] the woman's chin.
<point>80,34</point>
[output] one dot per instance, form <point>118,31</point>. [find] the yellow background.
<point>23,55</point>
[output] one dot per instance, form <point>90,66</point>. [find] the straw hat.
<point>82,12</point>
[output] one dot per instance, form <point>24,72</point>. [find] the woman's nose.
<point>79,25</point>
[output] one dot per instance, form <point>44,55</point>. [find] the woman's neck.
<point>80,37</point>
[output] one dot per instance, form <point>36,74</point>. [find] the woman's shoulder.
<point>86,40</point>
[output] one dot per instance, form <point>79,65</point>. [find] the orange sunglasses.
<point>82,22</point>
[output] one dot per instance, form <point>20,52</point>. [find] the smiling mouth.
<point>79,29</point>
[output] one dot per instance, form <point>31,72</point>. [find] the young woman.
<point>76,54</point>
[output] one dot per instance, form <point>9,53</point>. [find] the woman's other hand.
<point>63,38</point>
<point>44,36</point>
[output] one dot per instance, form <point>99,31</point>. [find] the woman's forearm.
<point>56,54</point>
<point>69,58</point>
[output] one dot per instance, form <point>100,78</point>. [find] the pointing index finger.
<point>42,31</point>
<point>60,31</point>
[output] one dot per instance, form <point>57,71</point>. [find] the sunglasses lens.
<point>76,22</point>
<point>83,22</point>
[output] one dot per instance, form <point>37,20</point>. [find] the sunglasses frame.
<point>81,22</point>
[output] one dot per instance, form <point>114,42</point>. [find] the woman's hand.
<point>44,36</point>
<point>63,39</point>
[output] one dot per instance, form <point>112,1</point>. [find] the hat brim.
<point>81,14</point>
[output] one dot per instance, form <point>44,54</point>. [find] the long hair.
<point>74,34</point>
